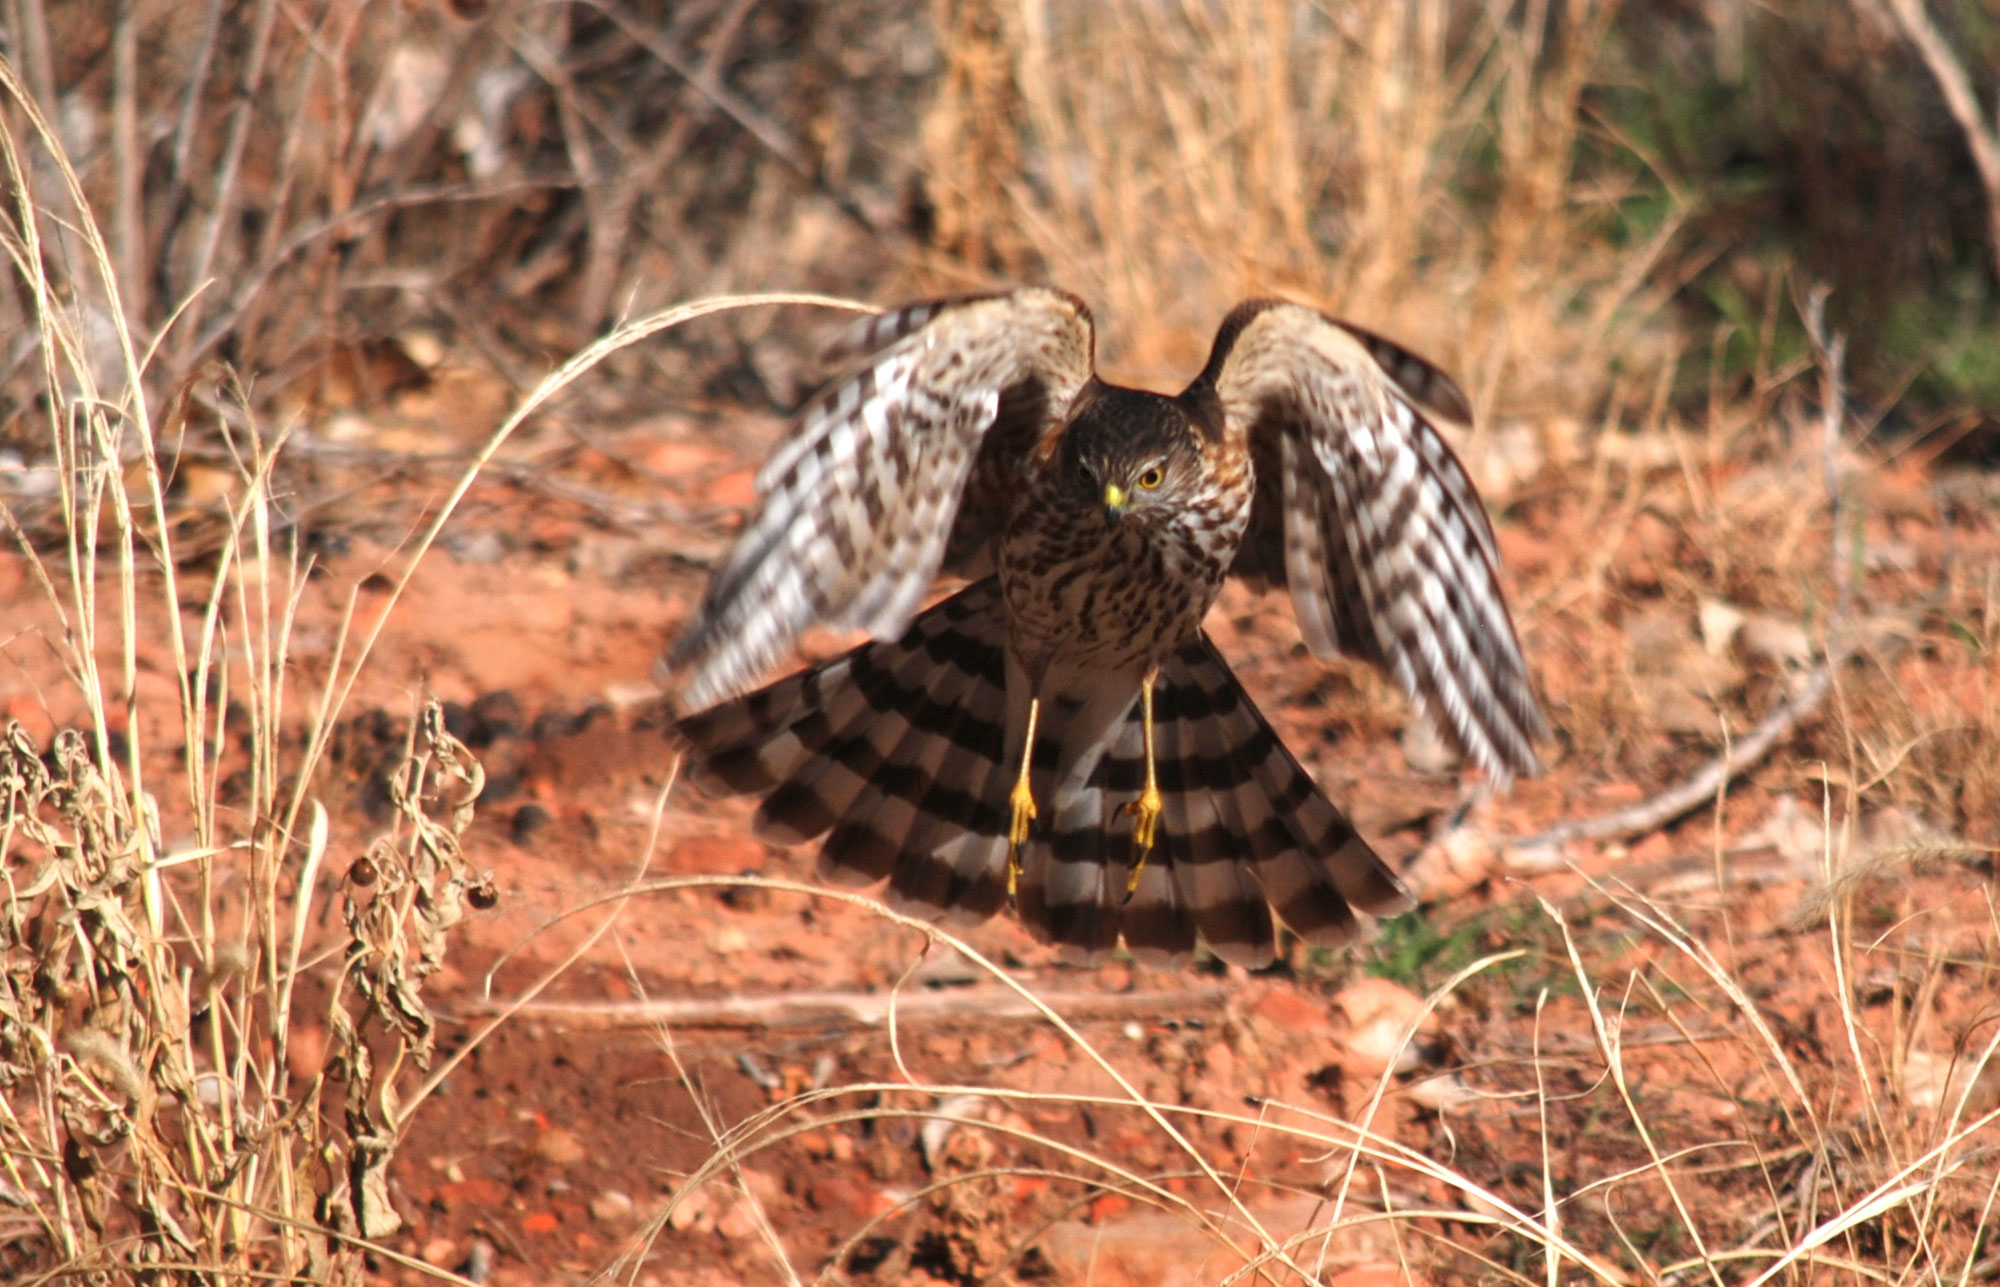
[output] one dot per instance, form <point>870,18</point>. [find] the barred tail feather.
<point>919,704</point>
<point>954,858</point>
<point>1217,877</point>
<point>893,752</point>
<point>1311,865</point>
<point>1245,833</point>
<point>897,754</point>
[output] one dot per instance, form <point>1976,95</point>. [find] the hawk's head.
<point>1135,455</point>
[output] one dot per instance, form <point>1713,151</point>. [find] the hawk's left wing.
<point>858,509</point>
<point>1367,516</point>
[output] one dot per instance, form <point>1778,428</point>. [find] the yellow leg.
<point>1023,800</point>
<point>1145,810</point>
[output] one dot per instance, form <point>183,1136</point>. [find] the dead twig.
<point>866,1009</point>
<point>771,136</point>
<point>251,281</point>
<point>1544,852</point>
<point>128,216</point>
<point>1982,138</point>
<point>229,168</point>
<point>613,211</point>
<point>530,475</point>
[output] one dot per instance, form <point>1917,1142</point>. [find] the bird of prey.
<point>1061,733</point>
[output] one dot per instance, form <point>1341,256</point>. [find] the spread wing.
<point>1365,514</point>
<point>904,460</point>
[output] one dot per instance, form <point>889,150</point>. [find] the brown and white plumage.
<point>971,436</point>
<point>910,456</point>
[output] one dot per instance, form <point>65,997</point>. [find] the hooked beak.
<point>1114,502</point>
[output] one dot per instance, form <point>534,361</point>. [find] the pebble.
<point>612,1207</point>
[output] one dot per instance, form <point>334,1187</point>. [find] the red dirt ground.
<point>547,1153</point>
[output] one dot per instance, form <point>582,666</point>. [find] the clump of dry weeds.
<point>160,925</point>
<point>1422,168</point>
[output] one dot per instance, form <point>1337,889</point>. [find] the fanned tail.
<point>1245,833</point>
<point>894,752</point>
<point>897,753</point>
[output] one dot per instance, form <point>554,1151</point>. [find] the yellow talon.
<point>1017,831</point>
<point>1023,801</point>
<point>1145,810</point>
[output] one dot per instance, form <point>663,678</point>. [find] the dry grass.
<point>1416,167</point>
<point>152,1120</point>
<point>1686,1135</point>
<point>156,953</point>
<point>1427,168</point>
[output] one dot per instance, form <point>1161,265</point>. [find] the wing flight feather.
<point>857,508</point>
<point>1382,538</point>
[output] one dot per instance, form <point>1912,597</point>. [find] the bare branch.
<point>1544,852</point>
<point>222,211</point>
<point>867,1009</point>
<point>128,214</point>
<point>1981,138</point>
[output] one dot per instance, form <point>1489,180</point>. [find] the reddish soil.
<point>547,1155</point>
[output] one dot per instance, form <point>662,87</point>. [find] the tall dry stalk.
<point>156,933</point>
<point>1418,167</point>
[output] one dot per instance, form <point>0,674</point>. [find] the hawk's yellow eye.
<point>1151,479</point>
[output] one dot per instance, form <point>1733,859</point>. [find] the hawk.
<point>1061,732</point>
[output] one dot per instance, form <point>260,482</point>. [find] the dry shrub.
<point>164,1061</point>
<point>1422,168</point>
<point>295,188</point>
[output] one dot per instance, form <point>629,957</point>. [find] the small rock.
<point>559,1146</point>
<point>1380,1016</point>
<point>692,1211</point>
<point>1282,1007</point>
<point>763,1187</point>
<point>484,546</point>
<point>937,1130</point>
<point>1456,862</point>
<point>1444,1093</point>
<point>1425,749</point>
<point>1719,623</point>
<point>841,1196</point>
<point>1780,642</point>
<point>1796,832</point>
<point>680,461</point>
<point>479,1261</point>
<point>1933,1081</point>
<point>622,697</point>
<point>739,1222</point>
<point>612,1207</point>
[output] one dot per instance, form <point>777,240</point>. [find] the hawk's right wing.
<point>894,465</point>
<point>1365,514</point>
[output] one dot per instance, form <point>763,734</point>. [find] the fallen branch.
<point>863,1009</point>
<point>1544,852</point>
